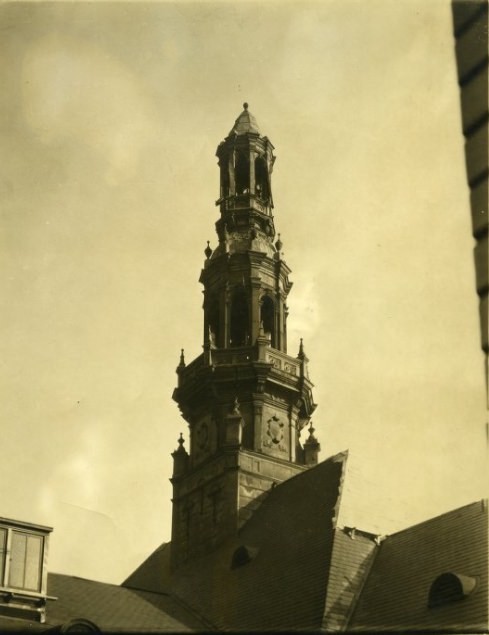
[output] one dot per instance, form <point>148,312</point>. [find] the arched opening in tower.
<point>224,181</point>
<point>213,322</point>
<point>239,335</point>
<point>267,317</point>
<point>242,174</point>
<point>262,188</point>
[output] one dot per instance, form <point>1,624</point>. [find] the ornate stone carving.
<point>274,433</point>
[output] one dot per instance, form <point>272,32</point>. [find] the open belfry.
<point>245,398</point>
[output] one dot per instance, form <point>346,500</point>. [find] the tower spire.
<point>245,399</point>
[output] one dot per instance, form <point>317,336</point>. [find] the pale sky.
<point>110,118</point>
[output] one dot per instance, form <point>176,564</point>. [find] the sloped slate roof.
<point>289,538</point>
<point>116,609</point>
<point>154,573</point>
<point>352,556</point>
<point>395,596</point>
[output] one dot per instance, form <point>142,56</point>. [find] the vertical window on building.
<point>261,179</point>
<point>25,561</point>
<point>224,181</point>
<point>267,316</point>
<point>242,174</point>
<point>239,319</point>
<point>3,553</point>
<point>213,319</point>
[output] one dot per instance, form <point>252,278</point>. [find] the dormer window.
<point>242,556</point>
<point>23,547</point>
<point>450,587</point>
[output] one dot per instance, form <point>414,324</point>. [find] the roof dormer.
<point>23,569</point>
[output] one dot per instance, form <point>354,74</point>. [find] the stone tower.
<point>245,399</point>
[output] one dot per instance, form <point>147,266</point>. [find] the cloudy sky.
<point>110,115</point>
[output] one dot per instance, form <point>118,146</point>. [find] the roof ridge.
<point>77,577</point>
<point>133,588</point>
<point>165,545</point>
<point>363,584</point>
<point>196,614</point>
<point>335,458</point>
<point>482,502</point>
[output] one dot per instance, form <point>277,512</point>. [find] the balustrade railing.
<point>283,362</point>
<point>232,355</point>
<point>229,356</point>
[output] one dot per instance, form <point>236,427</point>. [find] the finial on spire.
<point>208,251</point>
<point>245,105</point>
<point>311,448</point>
<point>279,244</point>
<point>301,350</point>
<point>312,430</point>
<point>180,458</point>
<point>182,359</point>
<point>180,450</point>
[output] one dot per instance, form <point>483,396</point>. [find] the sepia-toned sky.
<point>110,115</point>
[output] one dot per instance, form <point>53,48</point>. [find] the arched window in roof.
<point>450,587</point>
<point>242,556</point>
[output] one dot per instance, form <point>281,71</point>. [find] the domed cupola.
<point>245,123</point>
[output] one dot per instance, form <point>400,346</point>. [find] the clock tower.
<point>245,399</point>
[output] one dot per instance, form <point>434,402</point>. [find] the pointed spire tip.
<point>182,358</point>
